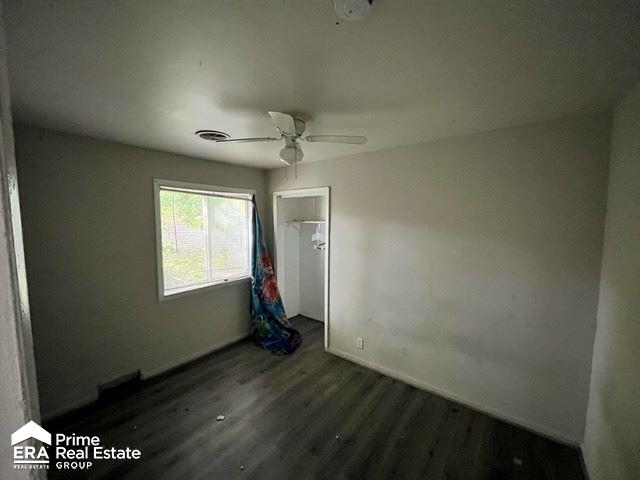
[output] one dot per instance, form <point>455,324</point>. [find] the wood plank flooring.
<point>305,416</point>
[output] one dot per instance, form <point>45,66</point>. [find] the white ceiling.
<point>150,73</point>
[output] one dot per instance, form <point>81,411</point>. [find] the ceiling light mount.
<point>353,10</point>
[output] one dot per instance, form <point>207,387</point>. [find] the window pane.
<point>205,238</point>
<point>228,227</point>
<point>184,239</point>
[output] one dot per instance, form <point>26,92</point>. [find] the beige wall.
<point>89,234</point>
<point>471,265</point>
<point>612,437</point>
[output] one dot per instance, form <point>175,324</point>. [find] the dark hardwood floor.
<point>304,416</point>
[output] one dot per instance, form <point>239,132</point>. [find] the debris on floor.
<point>220,418</point>
<point>517,461</point>
<point>241,467</point>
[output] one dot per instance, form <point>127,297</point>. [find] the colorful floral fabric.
<point>270,325</point>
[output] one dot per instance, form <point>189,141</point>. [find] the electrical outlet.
<point>360,343</point>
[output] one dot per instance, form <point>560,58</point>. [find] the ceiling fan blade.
<point>248,140</point>
<point>351,139</point>
<point>285,122</point>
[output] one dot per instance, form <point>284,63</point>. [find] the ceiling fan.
<point>290,129</point>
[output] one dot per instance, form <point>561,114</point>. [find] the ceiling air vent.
<point>212,135</point>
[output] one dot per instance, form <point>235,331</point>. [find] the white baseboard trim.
<point>154,372</point>
<point>519,422</point>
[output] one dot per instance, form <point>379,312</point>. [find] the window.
<point>203,234</point>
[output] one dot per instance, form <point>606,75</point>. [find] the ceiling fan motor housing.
<point>300,126</point>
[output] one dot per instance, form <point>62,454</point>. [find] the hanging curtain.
<point>270,326</point>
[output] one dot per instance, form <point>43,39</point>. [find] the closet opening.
<point>301,233</point>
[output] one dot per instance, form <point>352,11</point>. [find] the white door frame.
<point>18,388</point>
<point>300,193</point>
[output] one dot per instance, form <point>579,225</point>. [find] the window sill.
<point>204,288</point>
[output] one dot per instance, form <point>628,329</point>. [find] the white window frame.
<point>158,183</point>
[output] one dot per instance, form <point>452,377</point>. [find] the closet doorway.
<point>301,232</point>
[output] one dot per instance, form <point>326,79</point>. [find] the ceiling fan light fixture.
<point>291,155</point>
